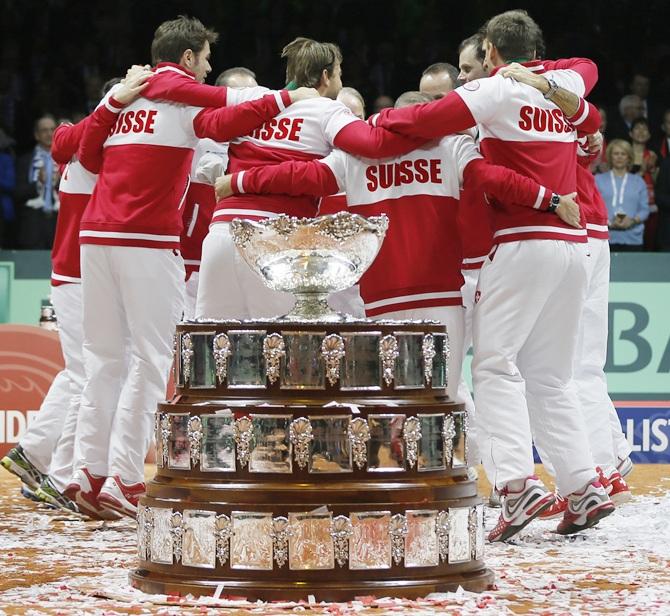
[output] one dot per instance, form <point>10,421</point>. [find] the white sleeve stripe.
<point>540,196</point>
<point>240,187</point>
<point>280,102</point>
<point>374,119</point>
<point>112,108</point>
<point>584,115</point>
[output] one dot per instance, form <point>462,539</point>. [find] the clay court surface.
<point>55,564</point>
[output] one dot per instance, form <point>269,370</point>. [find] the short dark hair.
<point>44,116</point>
<point>306,59</point>
<point>637,121</point>
<point>442,67</point>
<point>222,79</point>
<point>109,84</point>
<point>476,41</point>
<point>514,34</point>
<point>173,38</point>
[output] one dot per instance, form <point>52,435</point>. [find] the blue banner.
<point>647,428</point>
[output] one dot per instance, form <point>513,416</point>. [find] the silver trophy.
<point>310,257</point>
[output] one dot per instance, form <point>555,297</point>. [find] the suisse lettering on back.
<point>140,121</point>
<point>543,120</point>
<point>421,170</point>
<point>279,128</point>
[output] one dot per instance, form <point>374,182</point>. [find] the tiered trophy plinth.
<point>308,457</point>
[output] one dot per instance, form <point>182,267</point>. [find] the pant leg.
<point>190,296</point>
<point>470,276</point>
<point>621,447</point>
<point>39,440</point>
<point>67,303</point>
<point>546,362</point>
<point>145,276</point>
<point>104,354</point>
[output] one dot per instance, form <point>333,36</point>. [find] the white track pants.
<point>191,296</point>
<point>452,317</point>
<point>229,288</point>
<point>525,328</point>
<point>132,300</point>
<point>470,276</point>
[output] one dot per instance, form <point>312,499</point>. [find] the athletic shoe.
<point>618,491</point>
<point>50,494</point>
<point>26,492</point>
<point>83,489</point>
<point>520,508</point>
<point>121,497</point>
<point>495,501</point>
<point>17,463</point>
<point>556,509</point>
<point>625,467</point>
<point>585,509</point>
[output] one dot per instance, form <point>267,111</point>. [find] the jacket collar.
<point>163,67</point>
<point>534,65</point>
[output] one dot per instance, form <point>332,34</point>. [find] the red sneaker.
<point>520,508</point>
<point>556,509</point>
<point>619,492</point>
<point>83,489</point>
<point>585,509</point>
<point>121,497</point>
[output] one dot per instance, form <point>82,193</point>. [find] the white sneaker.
<point>585,509</point>
<point>121,497</point>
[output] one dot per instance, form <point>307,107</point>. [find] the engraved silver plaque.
<point>361,367</point>
<point>330,448</point>
<point>199,539</point>
<point>370,543</point>
<point>271,447</point>
<point>246,366</point>
<point>218,443</point>
<point>386,447</point>
<point>302,365</point>
<point>310,542</point>
<point>203,371</point>
<point>251,541</point>
<point>161,536</point>
<point>179,455</point>
<point>431,445</point>
<point>459,535</point>
<point>439,380</point>
<point>459,455</point>
<point>409,365</point>
<point>421,548</point>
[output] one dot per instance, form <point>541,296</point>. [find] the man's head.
<point>351,98</point>
<point>184,41</point>
<point>237,77</point>
<point>438,79</point>
<point>313,64</point>
<point>471,58</point>
<point>639,85</point>
<point>383,101</point>
<point>412,98</point>
<point>511,36</point>
<point>631,107</point>
<point>43,130</point>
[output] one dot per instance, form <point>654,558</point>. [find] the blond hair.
<point>307,59</point>
<point>624,145</point>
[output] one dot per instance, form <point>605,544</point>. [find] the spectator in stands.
<point>37,179</point>
<point>640,85</point>
<point>438,79</point>
<point>626,197</point>
<point>664,141</point>
<point>352,98</point>
<point>663,202</point>
<point>645,164</point>
<point>7,183</point>
<point>630,108</point>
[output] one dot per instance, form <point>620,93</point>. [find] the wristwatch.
<point>554,203</point>
<point>553,88</point>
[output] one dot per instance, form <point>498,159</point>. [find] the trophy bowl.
<point>310,257</point>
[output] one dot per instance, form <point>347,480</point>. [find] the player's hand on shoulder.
<point>134,70</point>
<point>523,75</point>
<point>302,94</point>
<point>223,186</point>
<point>131,87</point>
<point>568,210</point>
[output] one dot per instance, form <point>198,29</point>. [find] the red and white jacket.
<point>519,129</point>
<point>201,200</point>
<point>419,264</point>
<point>306,131</point>
<point>591,204</point>
<point>75,188</point>
<point>143,155</point>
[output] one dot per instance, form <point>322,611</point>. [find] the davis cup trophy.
<point>313,453</point>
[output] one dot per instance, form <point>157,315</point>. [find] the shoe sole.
<point>22,474</point>
<point>553,516</point>
<point>509,532</point>
<point>45,497</point>
<point>621,497</point>
<point>74,492</point>
<point>110,502</point>
<point>599,514</point>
